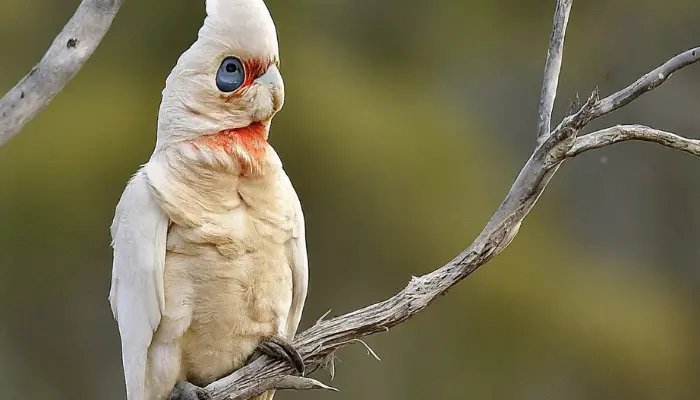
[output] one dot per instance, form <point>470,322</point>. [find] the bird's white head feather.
<point>193,105</point>
<point>242,25</point>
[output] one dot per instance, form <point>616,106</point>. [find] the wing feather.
<point>139,232</point>
<point>298,261</point>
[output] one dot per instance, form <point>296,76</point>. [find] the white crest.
<point>245,26</point>
<point>192,105</point>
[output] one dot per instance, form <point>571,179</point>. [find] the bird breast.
<point>228,282</point>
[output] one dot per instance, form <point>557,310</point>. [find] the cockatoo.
<point>210,259</point>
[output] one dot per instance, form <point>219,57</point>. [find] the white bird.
<point>210,259</point>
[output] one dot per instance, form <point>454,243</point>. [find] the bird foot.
<point>280,348</point>
<point>184,390</point>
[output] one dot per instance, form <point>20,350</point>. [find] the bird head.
<point>228,80</point>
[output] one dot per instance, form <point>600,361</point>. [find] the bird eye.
<point>230,75</point>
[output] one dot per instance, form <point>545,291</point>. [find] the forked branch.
<point>319,343</point>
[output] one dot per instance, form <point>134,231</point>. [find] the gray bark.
<point>67,54</point>
<point>319,343</point>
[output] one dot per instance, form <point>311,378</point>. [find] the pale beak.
<point>273,79</point>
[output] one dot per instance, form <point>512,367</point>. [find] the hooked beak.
<point>273,79</point>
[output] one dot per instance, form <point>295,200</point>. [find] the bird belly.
<point>235,295</point>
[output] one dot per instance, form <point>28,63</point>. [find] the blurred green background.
<point>404,125</point>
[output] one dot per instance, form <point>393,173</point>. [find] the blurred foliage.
<point>391,133</point>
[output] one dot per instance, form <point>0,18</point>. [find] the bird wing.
<point>139,232</point>
<point>298,262</point>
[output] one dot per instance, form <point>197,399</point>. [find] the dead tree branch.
<point>622,133</point>
<point>555,55</point>
<point>66,55</point>
<point>319,343</point>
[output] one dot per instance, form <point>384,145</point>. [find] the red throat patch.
<point>247,145</point>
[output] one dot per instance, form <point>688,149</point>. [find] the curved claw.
<point>278,347</point>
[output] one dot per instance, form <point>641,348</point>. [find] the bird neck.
<point>247,146</point>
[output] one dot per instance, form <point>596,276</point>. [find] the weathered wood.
<point>552,67</point>
<point>66,55</point>
<point>319,343</point>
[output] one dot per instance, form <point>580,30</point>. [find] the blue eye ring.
<point>231,75</point>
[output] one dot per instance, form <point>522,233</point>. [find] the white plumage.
<point>137,294</point>
<point>209,249</point>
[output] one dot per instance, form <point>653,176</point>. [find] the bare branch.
<point>226,388</point>
<point>67,54</point>
<point>621,133</point>
<point>555,54</point>
<point>648,82</point>
<point>319,343</point>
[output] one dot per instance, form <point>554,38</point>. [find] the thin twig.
<point>67,54</point>
<point>621,133</point>
<point>649,81</point>
<point>325,314</point>
<point>370,351</point>
<point>555,54</point>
